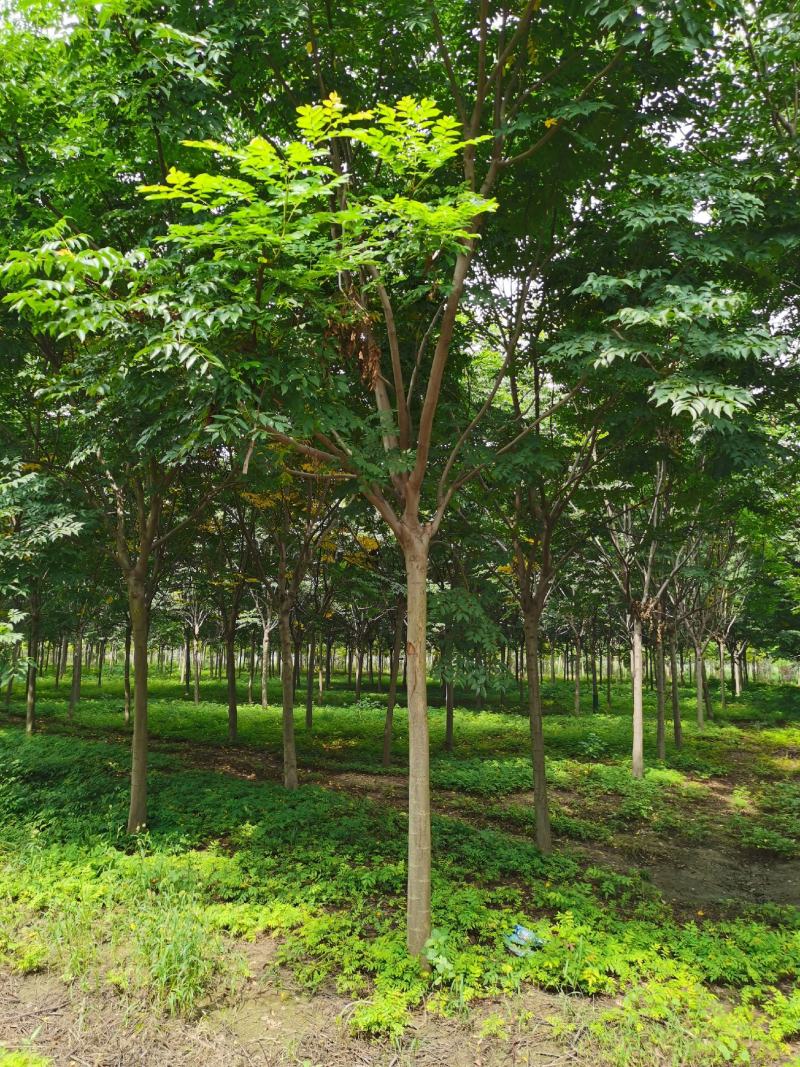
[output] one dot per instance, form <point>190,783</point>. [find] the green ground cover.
<point>226,859</point>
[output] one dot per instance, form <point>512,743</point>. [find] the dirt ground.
<point>272,1025</point>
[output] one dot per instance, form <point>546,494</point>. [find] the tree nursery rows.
<point>399,537</point>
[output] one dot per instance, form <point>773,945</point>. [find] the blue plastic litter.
<point>522,941</point>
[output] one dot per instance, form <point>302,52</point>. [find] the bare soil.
<point>271,1025</point>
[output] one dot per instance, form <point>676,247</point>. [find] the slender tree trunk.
<point>265,664</point>
<point>698,678</point>
<point>576,707</point>
<point>298,644</point>
<point>197,663</point>
<point>544,838</point>
<point>140,625</point>
<point>126,674</point>
<point>251,669</point>
<point>287,688</point>
<point>706,691</point>
<point>608,675</point>
<point>312,650</point>
<point>593,668</point>
<point>230,670</point>
<point>676,704</point>
<point>328,664</point>
<point>30,694</point>
<point>661,741</point>
<point>637,759</point>
<point>394,670</point>
<point>77,666</point>
<point>187,661</point>
<point>736,671</point>
<point>101,660</point>
<point>722,693</point>
<point>419,801</point>
<point>62,659</point>
<point>359,670</point>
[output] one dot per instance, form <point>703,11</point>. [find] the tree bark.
<point>544,838</point>
<point>61,662</point>
<point>722,693</point>
<point>608,675</point>
<point>394,670</point>
<point>140,625</point>
<point>187,661</point>
<point>661,741</point>
<point>30,693</point>
<point>418,912</point>
<point>126,674</point>
<point>287,687</point>
<point>359,670</point>
<point>706,691</point>
<point>312,651</point>
<point>230,671</point>
<point>265,664</point>
<point>698,678</point>
<point>736,666</point>
<point>251,668</point>
<point>77,666</point>
<point>576,707</point>
<point>637,756</point>
<point>677,728</point>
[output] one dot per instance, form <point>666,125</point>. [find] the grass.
<point>160,920</point>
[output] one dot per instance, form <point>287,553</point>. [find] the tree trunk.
<point>312,651</point>
<point>698,678</point>
<point>101,660</point>
<point>722,693</point>
<point>706,692</point>
<point>661,741</point>
<point>187,661</point>
<point>126,674</point>
<point>328,657</point>
<point>30,694</point>
<point>77,666</point>
<point>736,670</point>
<point>265,664</point>
<point>418,913</point>
<point>676,704</point>
<point>230,671</point>
<point>359,670</point>
<point>61,662</point>
<point>576,707</point>
<point>544,839</point>
<point>138,611</point>
<point>637,756</point>
<point>608,676</point>
<point>593,668</point>
<point>197,662</point>
<point>251,668</point>
<point>287,687</point>
<point>394,670</point>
